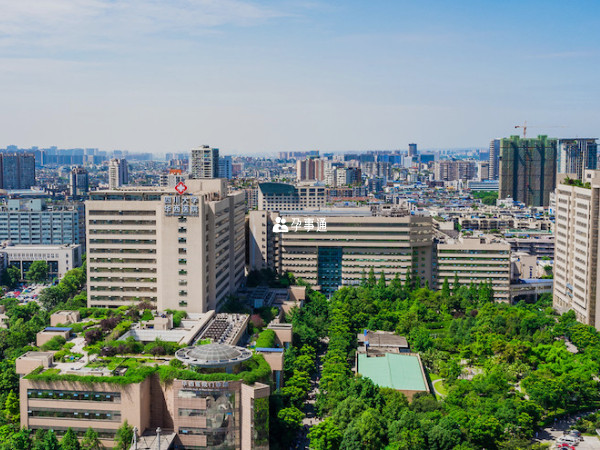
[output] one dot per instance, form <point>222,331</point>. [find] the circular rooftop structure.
<point>213,355</point>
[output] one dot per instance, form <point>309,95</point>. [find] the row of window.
<point>112,416</point>
<point>74,395</point>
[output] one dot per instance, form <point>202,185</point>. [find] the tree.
<point>291,418</point>
<point>51,297</point>
<point>39,439</point>
<point>91,441</point>
<point>446,289</point>
<point>11,408</point>
<point>10,277</point>
<point>368,431</point>
<point>381,284</point>
<point>124,436</point>
<point>21,440</point>
<point>70,441</point>
<point>51,441</point>
<point>371,281</point>
<point>325,435</point>
<point>38,272</point>
<point>456,285</point>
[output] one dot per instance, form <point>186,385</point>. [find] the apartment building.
<point>118,173</point>
<point>310,169</point>
<point>576,247</point>
<point>475,260</point>
<point>333,248</point>
<point>576,155</point>
<point>204,162</point>
<point>449,170</point>
<point>17,170</point>
<point>178,250</point>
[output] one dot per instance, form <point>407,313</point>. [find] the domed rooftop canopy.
<point>213,355</point>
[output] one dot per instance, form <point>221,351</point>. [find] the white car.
<point>571,440</point>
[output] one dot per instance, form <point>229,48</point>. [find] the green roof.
<point>394,370</point>
<point>277,188</point>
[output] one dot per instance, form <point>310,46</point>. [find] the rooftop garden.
<point>577,183</point>
<point>135,370</point>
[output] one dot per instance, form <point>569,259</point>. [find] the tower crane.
<point>525,126</point>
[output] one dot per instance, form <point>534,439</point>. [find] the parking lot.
<point>27,294</point>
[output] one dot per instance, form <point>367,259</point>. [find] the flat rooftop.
<point>57,329</point>
<point>383,339</point>
<point>398,371</point>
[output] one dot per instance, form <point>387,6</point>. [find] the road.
<point>309,408</point>
<point>549,435</point>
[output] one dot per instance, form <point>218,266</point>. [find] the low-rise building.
<point>60,258</point>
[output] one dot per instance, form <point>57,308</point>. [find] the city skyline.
<point>260,77</point>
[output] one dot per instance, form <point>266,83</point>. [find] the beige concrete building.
<point>332,248</point>
<point>64,318</point>
<point>195,414</point>
<point>476,260</point>
<point>181,251</point>
<point>576,247</point>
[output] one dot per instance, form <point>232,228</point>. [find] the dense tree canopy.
<point>507,369</point>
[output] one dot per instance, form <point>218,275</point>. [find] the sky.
<point>252,77</point>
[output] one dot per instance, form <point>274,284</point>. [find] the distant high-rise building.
<point>171,179</point>
<point>412,150</point>
<point>310,169</point>
<point>17,170</point>
<point>576,248</point>
<point>576,155</point>
<point>204,162</point>
<point>494,159</point>
<point>225,167</point>
<point>448,170</point>
<point>484,170</point>
<point>118,173</point>
<point>79,183</point>
<point>347,176</point>
<point>528,169</point>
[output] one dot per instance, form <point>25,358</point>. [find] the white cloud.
<point>61,25</point>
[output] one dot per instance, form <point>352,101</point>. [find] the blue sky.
<point>263,76</point>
